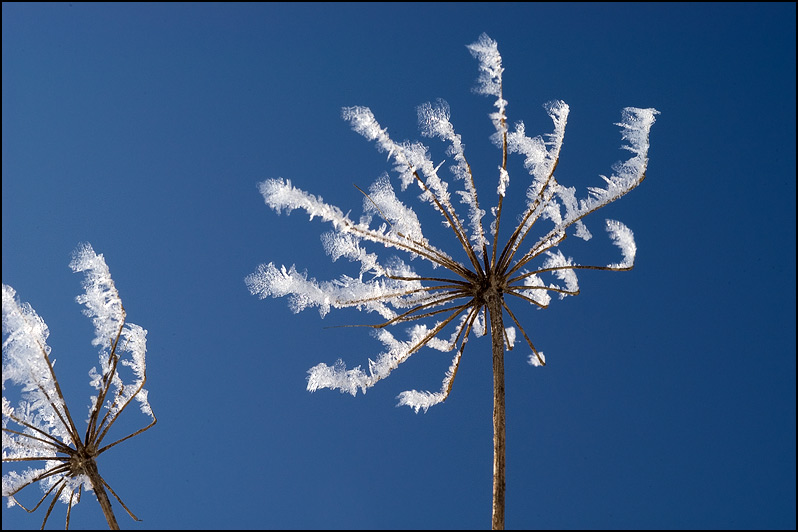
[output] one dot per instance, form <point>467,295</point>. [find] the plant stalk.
<point>494,303</point>
<point>102,497</point>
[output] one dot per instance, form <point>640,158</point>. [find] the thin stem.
<point>451,218</point>
<point>99,438</point>
<point>568,267</point>
<point>57,444</point>
<point>69,508</point>
<point>560,229</point>
<point>68,424</point>
<point>403,293</point>
<point>56,470</point>
<point>543,197</point>
<point>436,330</point>
<point>503,122</point>
<point>382,215</point>
<point>30,511</point>
<point>515,240</point>
<point>52,504</point>
<point>421,343</point>
<point>37,459</point>
<point>528,341</point>
<point>113,360</point>
<point>470,317</point>
<point>517,291</point>
<point>120,501</point>
<point>476,207</point>
<point>551,241</point>
<point>154,421</point>
<point>437,279</point>
<point>407,316</point>
<point>440,259</point>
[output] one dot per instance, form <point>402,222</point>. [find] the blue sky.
<point>668,400</point>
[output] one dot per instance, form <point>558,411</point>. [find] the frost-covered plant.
<point>469,296</point>
<point>40,428</point>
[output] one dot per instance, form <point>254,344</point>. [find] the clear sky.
<point>668,400</point>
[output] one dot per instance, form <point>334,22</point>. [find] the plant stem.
<point>102,496</point>
<point>494,303</point>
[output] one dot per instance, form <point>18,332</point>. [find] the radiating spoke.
<point>113,360</point>
<point>524,226</point>
<point>52,504</point>
<point>437,329</point>
<point>51,440</point>
<point>406,315</point>
<point>56,470</point>
<point>403,293</point>
<point>468,323</point>
<point>528,341</point>
<point>36,459</point>
<point>117,496</point>
<point>102,450</point>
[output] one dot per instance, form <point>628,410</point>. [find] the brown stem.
<point>102,497</point>
<point>494,303</point>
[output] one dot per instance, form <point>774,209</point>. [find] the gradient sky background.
<point>669,396</point>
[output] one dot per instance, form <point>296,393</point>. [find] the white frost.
<point>622,237</point>
<point>535,361</point>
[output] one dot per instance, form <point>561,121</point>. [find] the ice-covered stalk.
<point>461,295</point>
<point>41,428</point>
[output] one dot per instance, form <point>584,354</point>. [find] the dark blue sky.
<point>668,400</point>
